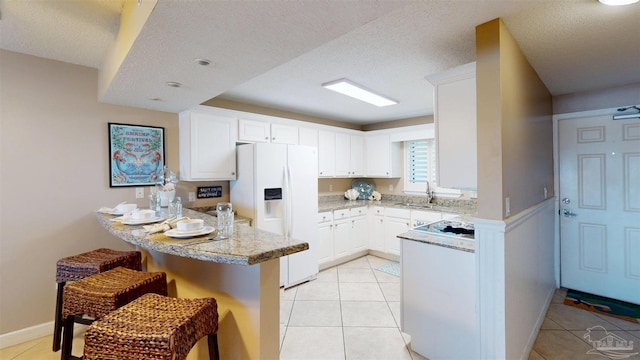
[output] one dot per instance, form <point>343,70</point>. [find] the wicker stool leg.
<point>67,339</point>
<point>212,341</point>
<point>57,328</point>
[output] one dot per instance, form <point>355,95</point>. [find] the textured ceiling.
<point>277,53</point>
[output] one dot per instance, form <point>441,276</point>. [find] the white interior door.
<point>599,162</point>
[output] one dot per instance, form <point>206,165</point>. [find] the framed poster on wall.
<point>136,154</point>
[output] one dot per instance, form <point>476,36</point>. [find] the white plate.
<point>175,233</point>
<point>130,221</point>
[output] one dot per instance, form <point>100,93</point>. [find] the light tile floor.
<point>352,312</point>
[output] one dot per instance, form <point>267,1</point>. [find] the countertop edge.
<point>425,239</point>
<point>261,247</point>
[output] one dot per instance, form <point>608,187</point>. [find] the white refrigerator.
<point>277,187</point>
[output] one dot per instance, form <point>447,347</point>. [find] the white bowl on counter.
<point>190,225</point>
<point>143,214</point>
<point>125,208</point>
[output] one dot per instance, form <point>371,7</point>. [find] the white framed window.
<point>419,165</point>
<point>420,168</point>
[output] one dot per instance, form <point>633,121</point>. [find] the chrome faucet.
<point>429,193</point>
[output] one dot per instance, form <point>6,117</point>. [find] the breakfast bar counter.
<point>247,246</point>
<point>242,273</point>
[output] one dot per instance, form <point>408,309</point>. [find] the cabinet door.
<point>326,153</point>
<point>383,157</point>
<point>377,234</point>
<point>356,159</point>
<point>284,134</point>
<point>392,228</point>
<point>253,131</point>
<point>341,238</point>
<point>359,232</point>
<point>342,155</point>
<point>456,129</point>
<point>207,146</point>
<point>308,137</point>
<point>325,243</point>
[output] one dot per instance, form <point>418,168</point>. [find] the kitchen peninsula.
<point>241,272</point>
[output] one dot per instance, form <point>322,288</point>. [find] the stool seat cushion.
<point>152,327</point>
<point>99,294</point>
<point>79,266</point>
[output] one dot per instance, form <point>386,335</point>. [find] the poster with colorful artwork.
<point>136,154</point>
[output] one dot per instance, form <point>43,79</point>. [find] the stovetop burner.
<point>449,228</point>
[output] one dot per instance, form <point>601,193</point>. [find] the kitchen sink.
<point>421,206</point>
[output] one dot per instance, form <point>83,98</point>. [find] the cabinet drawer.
<point>324,217</point>
<point>400,213</point>
<point>341,214</point>
<point>359,211</point>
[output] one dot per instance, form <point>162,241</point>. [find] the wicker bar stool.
<point>79,266</point>
<point>100,294</point>
<point>154,327</point>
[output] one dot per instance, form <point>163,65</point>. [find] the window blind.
<point>418,161</point>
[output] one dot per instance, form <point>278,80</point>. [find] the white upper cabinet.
<point>284,134</point>
<point>326,153</point>
<point>455,121</point>
<point>308,137</point>
<point>356,155</point>
<point>383,158</point>
<point>253,131</point>
<point>348,155</point>
<point>343,155</point>
<point>207,146</point>
<point>262,131</point>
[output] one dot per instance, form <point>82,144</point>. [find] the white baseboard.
<point>26,334</point>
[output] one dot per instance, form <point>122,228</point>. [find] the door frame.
<point>556,170</point>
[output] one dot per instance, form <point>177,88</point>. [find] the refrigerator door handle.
<point>289,203</point>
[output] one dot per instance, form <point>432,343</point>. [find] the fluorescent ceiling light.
<point>354,90</point>
<point>618,2</point>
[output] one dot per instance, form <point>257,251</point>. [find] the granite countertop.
<point>450,242</point>
<point>211,210</point>
<point>247,246</point>
<point>347,204</point>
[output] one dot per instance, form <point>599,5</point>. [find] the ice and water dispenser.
<point>273,204</point>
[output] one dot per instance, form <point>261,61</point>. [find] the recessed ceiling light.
<point>174,84</point>
<point>618,2</point>
<point>349,88</point>
<point>203,62</point>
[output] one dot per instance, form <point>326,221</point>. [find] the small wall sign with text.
<point>209,192</point>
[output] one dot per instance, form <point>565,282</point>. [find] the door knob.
<point>566,201</point>
<point>567,213</point>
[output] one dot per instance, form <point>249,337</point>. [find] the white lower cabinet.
<point>325,238</point>
<point>359,230</point>
<point>397,221</point>
<point>376,238</point>
<point>341,238</point>
<point>344,233</point>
